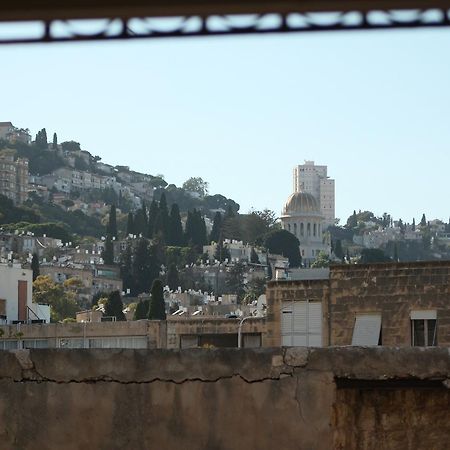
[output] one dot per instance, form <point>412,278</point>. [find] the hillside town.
<point>95,243</point>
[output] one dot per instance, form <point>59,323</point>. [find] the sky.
<point>241,112</point>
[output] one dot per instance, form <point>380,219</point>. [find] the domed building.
<point>302,217</point>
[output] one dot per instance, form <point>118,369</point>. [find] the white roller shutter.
<point>301,324</point>
<point>367,329</point>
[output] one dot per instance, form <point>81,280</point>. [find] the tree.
<point>97,297</point>
<point>35,266</point>
<point>423,221</point>
<point>162,218</point>
<point>114,306</point>
<point>222,252</point>
<point>195,232</point>
<point>338,251</point>
<point>197,185</point>
<point>175,234</point>
<point>126,269</point>
<point>216,228</point>
<point>173,280</point>
<point>281,242</point>
<point>140,222</point>
<point>145,267</point>
<point>321,260</point>
<point>352,221</point>
<point>152,215</point>
<point>62,304</point>
<point>254,256</point>
<point>55,141</point>
<point>157,310</point>
<point>130,224</point>
<point>111,228</point>
<point>108,252</point>
<point>235,280</point>
<point>413,226</point>
<point>373,255</point>
<point>141,311</point>
<point>41,139</point>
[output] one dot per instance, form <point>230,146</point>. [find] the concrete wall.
<point>296,398</point>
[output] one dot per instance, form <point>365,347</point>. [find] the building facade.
<point>391,304</point>
<point>312,179</point>
<point>16,291</point>
<point>14,178</point>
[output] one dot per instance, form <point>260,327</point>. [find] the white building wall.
<point>9,288</point>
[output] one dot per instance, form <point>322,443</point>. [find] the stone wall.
<point>392,290</point>
<point>295,398</point>
<point>279,292</point>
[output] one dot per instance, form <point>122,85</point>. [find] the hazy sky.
<point>241,111</point>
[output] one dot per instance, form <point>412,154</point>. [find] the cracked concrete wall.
<point>219,399</point>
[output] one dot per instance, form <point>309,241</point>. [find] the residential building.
<point>16,305</point>
<point>10,133</point>
<point>312,179</point>
<point>14,178</point>
<point>175,333</point>
<point>392,304</point>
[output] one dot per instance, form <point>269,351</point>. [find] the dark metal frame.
<point>190,26</point>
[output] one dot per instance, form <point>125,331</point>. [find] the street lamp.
<point>240,330</point>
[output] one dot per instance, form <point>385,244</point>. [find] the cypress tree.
<point>216,229</point>
<point>162,219</point>
<point>145,267</point>
<point>413,227</point>
<point>254,257</point>
<point>157,310</point>
<point>126,269</point>
<point>55,141</point>
<point>175,235</point>
<point>108,252</point>
<point>111,228</point>
<point>423,222</point>
<point>152,215</point>
<point>172,277</point>
<point>114,306</point>
<point>130,224</point>
<point>35,266</point>
<point>140,222</point>
<point>338,249</point>
<point>141,311</point>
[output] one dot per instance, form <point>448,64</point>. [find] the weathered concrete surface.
<point>223,399</point>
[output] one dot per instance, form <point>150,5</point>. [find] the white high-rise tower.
<point>314,180</point>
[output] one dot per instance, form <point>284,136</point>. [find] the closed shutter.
<point>301,324</point>
<point>315,324</point>
<point>367,329</point>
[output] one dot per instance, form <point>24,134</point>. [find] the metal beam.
<point>47,10</point>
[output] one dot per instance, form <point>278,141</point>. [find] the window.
<point>302,229</point>
<point>367,330</point>
<point>423,328</point>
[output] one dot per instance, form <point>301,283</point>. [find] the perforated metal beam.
<point>17,10</point>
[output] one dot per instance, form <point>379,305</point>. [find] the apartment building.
<point>14,178</point>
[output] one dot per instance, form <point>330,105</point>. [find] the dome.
<point>301,203</point>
